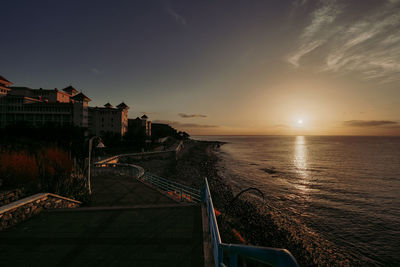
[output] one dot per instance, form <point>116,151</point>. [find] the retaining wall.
<point>25,208</point>
<point>9,196</point>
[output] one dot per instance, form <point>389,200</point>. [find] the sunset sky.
<point>217,67</point>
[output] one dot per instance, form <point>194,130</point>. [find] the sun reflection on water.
<point>300,162</point>
<point>300,155</point>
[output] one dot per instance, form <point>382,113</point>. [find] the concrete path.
<point>119,230</point>
<point>124,191</point>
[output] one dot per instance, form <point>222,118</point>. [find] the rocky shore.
<point>244,219</point>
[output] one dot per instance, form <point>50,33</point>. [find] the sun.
<point>300,122</point>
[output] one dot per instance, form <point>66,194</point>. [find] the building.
<point>141,123</point>
<point>65,107</point>
<point>108,119</point>
<point>37,107</point>
<point>4,89</point>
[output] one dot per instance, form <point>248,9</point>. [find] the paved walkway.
<point>124,191</point>
<point>118,230</point>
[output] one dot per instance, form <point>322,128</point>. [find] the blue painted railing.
<point>264,255</point>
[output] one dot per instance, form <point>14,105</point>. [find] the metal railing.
<point>180,191</point>
<point>177,190</point>
<point>120,168</point>
<point>263,255</point>
<point>116,158</point>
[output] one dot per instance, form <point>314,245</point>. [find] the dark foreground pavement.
<point>120,232</point>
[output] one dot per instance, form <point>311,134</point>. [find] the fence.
<point>247,254</point>
<point>118,168</point>
<point>180,191</point>
<point>177,190</point>
<point>145,155</point>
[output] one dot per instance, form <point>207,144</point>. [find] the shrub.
<point>48,169</point>
<point>18,168</point>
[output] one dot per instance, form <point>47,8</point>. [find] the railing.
<point>177,190</point>
<point>180,191</point>
<point>116,158</point>
<point>263,255</point>
<point>121,168</point>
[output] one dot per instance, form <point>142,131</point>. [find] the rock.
<point>269,171</point>
<point>37,210</point>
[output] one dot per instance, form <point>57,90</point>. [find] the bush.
<point>48,169</point>
<point>18,168</point>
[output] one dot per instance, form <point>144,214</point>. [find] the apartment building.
<point>109,119</point>
<point>141,123</point>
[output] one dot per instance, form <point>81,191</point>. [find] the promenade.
<point>127,223</point>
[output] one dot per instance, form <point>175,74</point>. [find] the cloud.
<point>370,123</point>
<point>184,115</point>
<point>366,43</point>
<point>322,17</point>
<point>180,125</point>
<point>310,39</point>
<point>94,71</point>
<point>303,50</point>
<point>178,18</point>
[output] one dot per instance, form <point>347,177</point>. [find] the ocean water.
<point>342,190</point>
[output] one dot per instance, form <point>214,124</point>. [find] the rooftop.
<point>122,106</point>
<point>81,97</point>
<point>4,81</point>
<point>108,105</point>
<point>71,90</point>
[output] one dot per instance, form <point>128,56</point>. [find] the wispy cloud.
<point>303,50</point>
<point>94,71</point>
<point>311,37</point>
<point>369,123</point>
<point>365,43</point>
<point>322,17</point>
<point>177,17</point>
<point>184,115</point>
<point>180,125</point>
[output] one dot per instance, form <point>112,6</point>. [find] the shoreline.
<point>244,220</point>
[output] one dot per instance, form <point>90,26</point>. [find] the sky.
<point>251,67</point>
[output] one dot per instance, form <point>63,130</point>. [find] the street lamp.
<point>99,145</point>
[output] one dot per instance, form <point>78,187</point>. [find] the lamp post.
<point>100,145</point>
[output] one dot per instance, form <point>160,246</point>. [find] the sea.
<point>343,191</point>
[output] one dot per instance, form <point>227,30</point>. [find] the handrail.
<point>270,256</point>
<point>175,183</point>
<point>212,222</point>
<point>183,192</point>
<point>140,170</point>
<point>176,150</point>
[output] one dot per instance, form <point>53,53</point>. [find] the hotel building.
<point>141,123</point>
<point>64,107</point>
<point>108,119</point>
